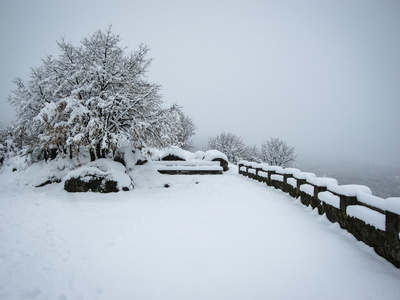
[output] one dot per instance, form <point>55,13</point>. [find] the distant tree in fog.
<point>229,144</point>
<point>186,130</point>
<point>276,152</point>
<point>252,153</point>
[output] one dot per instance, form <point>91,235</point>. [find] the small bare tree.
<point>276,152</point>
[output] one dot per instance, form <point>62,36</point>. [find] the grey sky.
<point>322,75</point>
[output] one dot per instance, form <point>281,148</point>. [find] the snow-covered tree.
<point>229,144</point>
<point>276,152</point>
<point>94,97</point>
<point>3,145</point>
<point>8,143</point>
<point>186,129</point>
<point>252,153</point>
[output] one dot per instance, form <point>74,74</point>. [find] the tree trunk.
<point>92,155</point>
<point>98,150</point>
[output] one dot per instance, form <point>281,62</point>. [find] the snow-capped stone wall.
<point>372,220</point>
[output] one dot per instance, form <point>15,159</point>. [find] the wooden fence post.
<point>392,243</point>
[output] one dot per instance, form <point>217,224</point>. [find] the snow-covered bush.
<point>103,175</point>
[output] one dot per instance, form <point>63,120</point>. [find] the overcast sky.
<point>322,75</point>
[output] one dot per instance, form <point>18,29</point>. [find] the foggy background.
<point>324,76</point>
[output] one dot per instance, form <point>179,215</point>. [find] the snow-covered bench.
<point>188,167</point>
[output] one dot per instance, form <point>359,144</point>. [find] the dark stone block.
<point>223,163</point>
<point>141,162</point>
<point>50,181</point>
<point>171,157</point>
<point>94,184</point>
<point>392,253</point>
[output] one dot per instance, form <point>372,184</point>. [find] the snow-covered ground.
<point>205,237</point>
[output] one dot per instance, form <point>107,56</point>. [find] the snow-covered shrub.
<point>103,175</point>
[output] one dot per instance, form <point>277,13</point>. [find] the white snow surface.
<point>292,181</point>
<point>289,171</point>
<point>199,154</point>
<point>205,237</point>
<point>321,181</point>
<point>349,190</point>
<point>278,169</point>
<point>329,198</point>
<point>368,215</point>
<point>308,189</point>
<point>262,174</point>
<point>277,177</point>
<point>252,171</point>
<point>147,177</point>
<point>393,204</point>
<point>303,175</point>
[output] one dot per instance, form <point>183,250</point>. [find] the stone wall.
<point>385,239</point>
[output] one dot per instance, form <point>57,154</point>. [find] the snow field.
<point>206,237</point>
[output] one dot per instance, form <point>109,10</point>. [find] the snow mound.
<point>199,155</point>
<point>21,173</point>
<point>176,152</point>
<point>128,156</point>
<point>147,177</point>
<point>215,155</point>
<point>210,155</point>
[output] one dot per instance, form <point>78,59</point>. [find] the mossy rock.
<point>93,184</point>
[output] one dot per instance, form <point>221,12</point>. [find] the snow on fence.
<point>372,220</point>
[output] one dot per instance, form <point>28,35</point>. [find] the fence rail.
<point>372,220</point>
